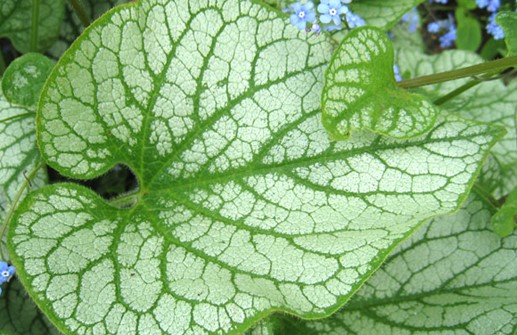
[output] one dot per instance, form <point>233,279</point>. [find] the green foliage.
<point>19,315</point>
<point>16,23</point>
<point>453,275</point>
<point>508,21</point>
<point>242,206</point>
<point>468,34</point>
<point>504,220</point>
<point>491,102</point>
<point>72,27</point>
<point>361,92</point>
<point>24,78</point>
<point>18,151</point>
<point>383,14</point>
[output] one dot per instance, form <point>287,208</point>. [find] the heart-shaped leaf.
<point>453,276</point>
<point>361,92</point>
<point>16,23</point>
<point>244,206</point>
<point>24,78</point>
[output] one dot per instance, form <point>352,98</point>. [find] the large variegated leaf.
<point>453,276</point>
<point>16,23</point>
<point>244,206</point>
<point>19,315</point>
<point>490,102</point>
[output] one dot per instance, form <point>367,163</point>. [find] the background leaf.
<point>19,315</point>
<point>15,22</point>
<point>383,13</point>
<point>452,276</point>
<point>24,78</point>
<point>244,206</point>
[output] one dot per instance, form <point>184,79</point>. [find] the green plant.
<point>223,203</point>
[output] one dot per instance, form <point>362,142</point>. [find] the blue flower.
<point>412,19</point>
<point>433,27</point>
<point>6,272</point>
<point>354,20</point>
<point>331,10</point>
<point>491,5</point>
<point>303,13</point>
<point>448,38</point>
<point>443,2</point>
<point>494,29</point>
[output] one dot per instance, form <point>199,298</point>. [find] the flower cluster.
<point>447,30</point>
<point>330,15</point>
<point>6,272</point>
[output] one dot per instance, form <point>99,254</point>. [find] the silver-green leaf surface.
<point>244,207</point>
<point>492,102</point>
<point>453,276</point>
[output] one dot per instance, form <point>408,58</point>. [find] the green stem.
<point>81,13</point>
<point>485,196</point>
<point>14,204</point>
<point>456,92</point>
<point>488,67</point>
<point>35,25</point>
<point>17,116</point>
<point>126,200</point>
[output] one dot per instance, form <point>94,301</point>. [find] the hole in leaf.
<point>116,182</point>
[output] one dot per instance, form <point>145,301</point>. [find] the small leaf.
<point>468,34</point>
<point>361,92</point>
<point>15,22</point>
<point>504,221</point>
<point>244,206</point>
<point>453,276</point>
<point>492,102</point>
<point>24,78</point>
<point>19,315</point>
<point>508,21</point>
<point>383,13</point>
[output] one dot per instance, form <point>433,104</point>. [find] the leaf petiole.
<point>488,67</point>
<point>35,25</point>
